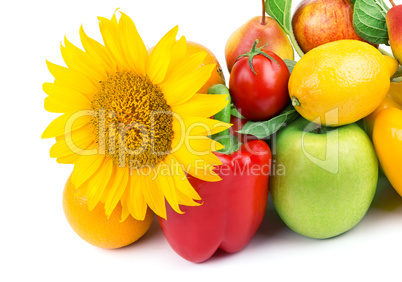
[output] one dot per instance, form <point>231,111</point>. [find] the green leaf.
<point>236,113</point>
<point>280,11</point>
<point>263,129</point>
<point>369,21</point>
<point>397,76</point>
<point>290,64</point>
<point>232,143</point>
<point>353,1</point>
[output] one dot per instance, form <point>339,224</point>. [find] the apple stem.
<point>263,13</point>
<point>382,51</point>
<point>318,129</point>
<point>392,3</point>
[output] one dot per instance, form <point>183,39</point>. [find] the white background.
<point>37,244</point>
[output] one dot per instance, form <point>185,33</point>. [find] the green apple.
<point>329,180</point>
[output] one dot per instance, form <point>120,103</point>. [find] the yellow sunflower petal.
<point>54,105</point>
<point>195,144</point>
<point>200,148</point>
<point>125,212</point>
<point>69,159</point>
<point>159,59</point>
<point>203,170</point>
<point>185,199</point>
<point>152,195</point>
<point>69,78</point>
<point>67,150</point>
<point>182,183</point>
<point>66,123</point>
<point>112,39</point>
<point>181,90</point>
<point>201,105</point>
<point>77,135</point>
<point>97,51</point>
<point>63,148</point>
<point>81,62</point>
<point>182,65</point>
<point>199,165</point>
<point>98,183</point>
<point>164,181</point>
<point>118,184</point>
<point>73,157</point>
<point>198,126</point>
<point>136,201</point>
<point>137,53</point>
<point>85,168</point>
<point>179,51</point>
<point>62,99</point>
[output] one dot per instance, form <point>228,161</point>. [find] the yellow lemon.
<point>340,82</point>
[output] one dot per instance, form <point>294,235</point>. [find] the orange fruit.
<point>95,228</point>
<point>388,102</point>
<point>395,90</point>
<point>217,76</point>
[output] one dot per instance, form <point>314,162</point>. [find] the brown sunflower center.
<point>132,122</point>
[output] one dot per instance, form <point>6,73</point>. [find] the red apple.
<point>394,24</point>
<point>317,22</point>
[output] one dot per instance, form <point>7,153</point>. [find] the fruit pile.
<point>334,119</point>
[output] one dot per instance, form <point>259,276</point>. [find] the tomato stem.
<point>256,51</point>
<point>263,13</point>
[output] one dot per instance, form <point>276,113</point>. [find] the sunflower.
<point>132,123</point>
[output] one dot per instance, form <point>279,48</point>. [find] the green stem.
<point>385,53</point>
<point>295,44</point>
<point>398,75</point>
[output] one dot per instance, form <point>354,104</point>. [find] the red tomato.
<point>261,95</point>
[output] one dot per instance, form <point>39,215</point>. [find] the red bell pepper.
<point>232,209</point>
